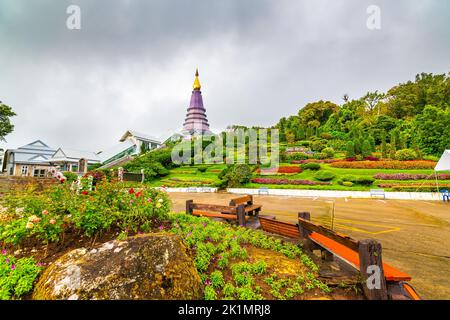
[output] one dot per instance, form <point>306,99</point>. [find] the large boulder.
<point>151,266</point>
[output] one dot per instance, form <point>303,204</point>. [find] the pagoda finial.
<point>196,85</point>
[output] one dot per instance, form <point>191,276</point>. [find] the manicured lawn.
<point>191,176</point>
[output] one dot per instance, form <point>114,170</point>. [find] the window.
<point>24,170</point>
<point>39,173</point>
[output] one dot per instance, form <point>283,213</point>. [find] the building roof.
<point>139,136</point>
<point>71,155</point>
<point>34,153</point>
<point>114,150</point>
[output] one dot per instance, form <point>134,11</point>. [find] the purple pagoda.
<point>196,122</point>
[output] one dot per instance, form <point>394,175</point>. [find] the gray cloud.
<point>131,66</point>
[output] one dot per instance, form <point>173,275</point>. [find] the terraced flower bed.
<point>240,263</point>
<point>281,181</point>
<point>393,164</point>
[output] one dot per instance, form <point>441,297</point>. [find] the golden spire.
<point>196,85</point>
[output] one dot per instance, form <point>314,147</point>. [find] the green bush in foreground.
<point>16,276</point>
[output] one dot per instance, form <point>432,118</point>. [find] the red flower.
<point>131,191</point>
<point>85,192</point>
<point>138,194</point>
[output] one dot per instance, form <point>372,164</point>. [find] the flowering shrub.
<point>414,187</point>
<point>371,158</point>
<point>314,161</point>
<point>16,275</point>
<point>48,215</point>
<point>282,169</point>
<point>287,181</point>
<point>409,176</point>
<point>402,165</point>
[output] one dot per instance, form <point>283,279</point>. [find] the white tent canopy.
<point>444,162</point>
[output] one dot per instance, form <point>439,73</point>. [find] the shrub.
<point>405,154</point>
<point>362,180</point>
<point>310,166</point>
<point>318,145</point>
<point>202,169</point>
<point>235,175</point>
<point>319,155</point>
<point>402,165</point>
<point>347,183</point>
<point>370,158</point>
<point>70,176</point>
<point>324,175</point>
<point>328,152</point>
<point>16,276</point>
<point>297,156</point>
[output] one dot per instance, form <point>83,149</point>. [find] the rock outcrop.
<point>151,266</point>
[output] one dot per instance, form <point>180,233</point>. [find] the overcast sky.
<point>132,64</point>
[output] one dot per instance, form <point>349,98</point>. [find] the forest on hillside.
<point>411,120</point>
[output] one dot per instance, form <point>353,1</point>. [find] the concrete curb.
<point>434,196</point>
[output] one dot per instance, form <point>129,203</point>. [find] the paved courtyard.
<point>415,234</point>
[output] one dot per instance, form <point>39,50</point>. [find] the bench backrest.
<point>241,200</point>
<point>282,228</point>
<point>336,236</point>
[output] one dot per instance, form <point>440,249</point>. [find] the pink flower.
<point>161,227</point>
<point>7,261</point>
<point>149,200</point>
<point>4,252</point>
<point>44,212</point>
<point>13,267</point>
<point>52,221</point>
<point>131,201</point>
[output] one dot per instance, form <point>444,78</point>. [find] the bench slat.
<point>338,237</point>
<point>240,200</point>
<point>215,208</point>
<point>352,257</point>
<point>215,215</point>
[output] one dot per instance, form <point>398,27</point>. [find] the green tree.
<point>6,127</point>
<point>371,140</point>
<point>384,150</point>
<point>366,148</point>
<point>350,149</point>
<point>432,130</point>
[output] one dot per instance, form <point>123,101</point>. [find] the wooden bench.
<point>377,193</point>
<point>247,201</point>
<point>358,254</point>
<point>236,213</point>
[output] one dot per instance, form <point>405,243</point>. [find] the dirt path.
<point>415,234</point>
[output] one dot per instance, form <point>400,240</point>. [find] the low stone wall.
<point>339,194</point>
<point>9,182</point>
